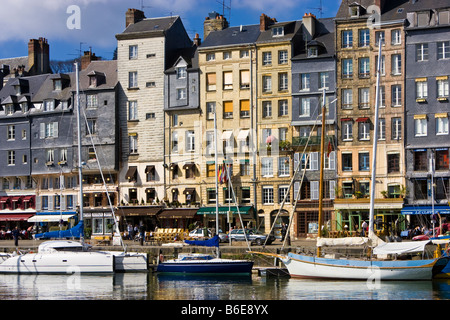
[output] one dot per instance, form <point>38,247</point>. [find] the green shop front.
<point>349,215</point>
<point>229,216</point>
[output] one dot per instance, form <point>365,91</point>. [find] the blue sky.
<point>101,20</point>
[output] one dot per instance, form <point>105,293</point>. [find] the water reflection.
<point>148,286</point>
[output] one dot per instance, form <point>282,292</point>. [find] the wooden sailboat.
<point>303,266</point>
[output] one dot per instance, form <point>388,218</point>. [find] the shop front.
<point>178,218</point>
<point>135,215</point>
<point>228,217</point>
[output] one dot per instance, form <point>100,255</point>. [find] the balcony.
<point>313,141</point>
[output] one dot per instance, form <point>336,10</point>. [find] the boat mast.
<point>322,160</point>
<point>216,175</point>
<point>80,166</point>
<point>374,150</point>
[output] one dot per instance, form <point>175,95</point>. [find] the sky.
<point>74,25</point>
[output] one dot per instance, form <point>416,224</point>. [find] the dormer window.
<point>181,72</point>
<point>57,85</point>
<point>9,109</point>
<point>49,105</point>
<point>24,107</point>
<point>92,81</point>
<point>313,52</point>
<point>423,19</point>
<point>277,32</point>
<point>356,10</point>
<point>17,90</point>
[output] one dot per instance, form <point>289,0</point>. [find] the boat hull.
<point>58,263</point>
<point>130,262</point>
<point>206,267</point>
<point>300,266</point>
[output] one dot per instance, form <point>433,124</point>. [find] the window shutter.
<point>296,189</point>
<point>42,131</point>
<point>55,129</point>
<point>332,189</point>
<point>296,160</point>
<point>63,203</point>
<point>314,190</point>
<point>38,203</point>
<point>314,161</point>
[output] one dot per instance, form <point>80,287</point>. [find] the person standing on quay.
<point>15,234</point>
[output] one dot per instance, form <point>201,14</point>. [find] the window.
<point>57,85</point>
<point>444,17</point>
<point>422,19</point>
<point>227,80</point>
<point>267,195</point>
<point>267,84</point>
<point>443,50</point>
<point>420,126</point>
<point>133,52</point>
<point>133,140</point>
<point>181,73</point>
<point>245,195</point>
<point>132,110</point>
<point>11,135</point>
<point>420,161</point>
<point>210,109</point>
<point>364,130</point>
<point>347,39</point>
<point>347,162</point>
<point>278,31</point>
<point>132,79</point>
<point>190,141</point>
<point>49,105</point>
<point>48,130</point>
<point>282,57</point>
<point>211,57</point>
<point>227,55</point>
<point>210,143</point>
<point>244,54</point>
<point>347,130</point>
<point>421,89</point>
<point>283,167</point>
<point>305,107</point>
<point>382,97</point>
<point>228,109</point>
<point>312,52</point>
<point>347,98</point>
<point>364,38</point>
<point>210,81</point>
<point>245,79</point>
<point>364,98</point>
<point>305,82</point>
<point>442,87</point>
<point>91,154</point>
<point>393,162</point>
<point>283,192</point>
<point>267,167</point>
<point>364,161</point>
<point>245,168</point>
<point>50,156</point>
<point>442,160</point>
<point>396,95</point>
<point>92,101</point>
<point>381,129</point>
<point>441,125</point>
<point>324,80</point>
<point>44,202</point>
<point>245,108</point>
<point>396,64</point>
<point>379,35</point>
<point>396,128</point>
<point>383,65</point>
<point>283,108</point>
<point>283,82</point>
<point>267,109</point>
<point>63,156</point>
<point>396,37</point>
<point>91,127</point>
<point>267,58</point>
<point>347,68</point>
<point>422,52</point>
<point>11,158</point>
<point>175,142</point>
<point>181,94</point>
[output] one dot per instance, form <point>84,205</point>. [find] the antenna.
<point>143,7</point>
<point>226,7</point>
<point>320,8</point>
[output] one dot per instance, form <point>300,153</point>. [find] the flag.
<point>330,148</point>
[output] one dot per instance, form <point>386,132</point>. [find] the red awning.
<point>15,217</point>
<point>28,198</point>
<point>4,199</point>
<point>15,199</point>
<point>362,119</point>
<point>346,119</point>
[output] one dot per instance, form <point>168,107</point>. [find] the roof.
<point>150,25</point>
<point>324,38</point>
<point>34,84</point>
<point>107,69</point>
<point>232,36</point>
<point>187,54</point>
<point>291,28</point>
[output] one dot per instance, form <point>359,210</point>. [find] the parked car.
<point>200,233</point>
<point>254,236</point>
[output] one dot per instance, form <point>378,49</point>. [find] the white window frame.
<point>305,107</point>
<point>132,79</point>
<point>442,126</point>
<point>420,127</point>
<point>266,167</point>
<point>443,48</point>
<point>267,195</point>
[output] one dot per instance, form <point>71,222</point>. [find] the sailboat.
<point>70,256</point>
<point>198,263</point>
<point>303,266</point>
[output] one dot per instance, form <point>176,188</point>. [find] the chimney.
<point>134,16</point>
<point>380,4</point>
<point>265,22</point>
<point>197,40</point>
<point>38,56</point>
<point>309,24</point>
<point>214,22</point>
<point>87,59</point>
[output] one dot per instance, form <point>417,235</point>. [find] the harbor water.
<point>151,286</point>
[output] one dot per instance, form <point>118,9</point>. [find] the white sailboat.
<point>68,256</point>
<point>303,266</point>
